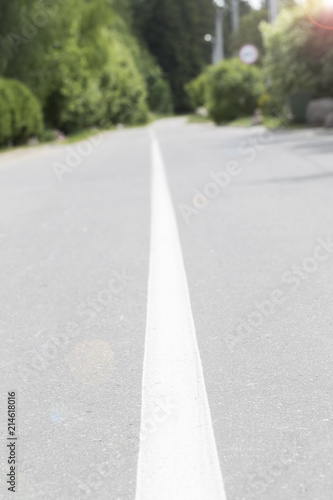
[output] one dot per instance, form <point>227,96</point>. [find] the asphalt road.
<point>254,210</point>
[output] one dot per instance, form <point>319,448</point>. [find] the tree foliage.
<point>174,32</point>
<point>249,32</point>
<point>20,112</point>
<point>299,53</point>
<point>81,60</point>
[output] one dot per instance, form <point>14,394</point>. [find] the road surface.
<point>214,339</point>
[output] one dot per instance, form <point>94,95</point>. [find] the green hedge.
<point>228,90</point>
<point>20,113</point>
<point>233,89</point>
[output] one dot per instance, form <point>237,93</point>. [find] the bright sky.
<point>255,3</point>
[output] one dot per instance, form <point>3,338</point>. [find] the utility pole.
<point>218,50</point>
<point>235,15</point>
<point>273,7</point>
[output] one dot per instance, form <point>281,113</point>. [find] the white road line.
<point>178,458</point>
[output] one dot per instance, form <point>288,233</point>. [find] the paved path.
<point>230,375</point>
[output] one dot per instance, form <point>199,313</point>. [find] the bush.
<point>20,113</point>
<point>125,93</point>
<point>196,90</point>
<point>7,109</point>
<point>90,74</point>
<point>228,90</point>
<point>92,79</point>
<point>299,55</point>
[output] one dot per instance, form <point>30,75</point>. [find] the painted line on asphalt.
<point>178,459</point>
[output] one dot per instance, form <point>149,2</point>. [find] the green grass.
<point>198,119</point>
<point>245,121</point>
<point>47,136</point>
<point>6,149</point>
<point>84,134</point>
<point>270,122</point>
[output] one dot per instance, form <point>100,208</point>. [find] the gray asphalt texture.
<point>270,386</point>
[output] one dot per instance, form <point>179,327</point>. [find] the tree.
<point>174,32</point>
<point>10,25</point>
<point>249,32</point>
<point>299,54</point>
<point>244,9</point>
<point>79,62</point>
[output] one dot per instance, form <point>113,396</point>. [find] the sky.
<point>255,3</point>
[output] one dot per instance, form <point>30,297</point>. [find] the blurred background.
<point>73,65</point>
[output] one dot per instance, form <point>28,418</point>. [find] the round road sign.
<point>249,54</point>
